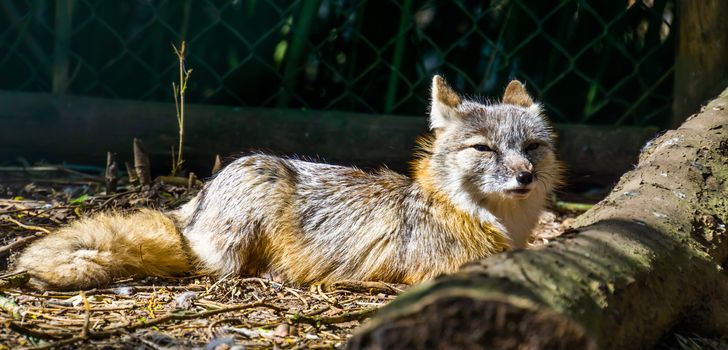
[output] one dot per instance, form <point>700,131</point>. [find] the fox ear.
<point>516,95</point>
<point>445,102</point>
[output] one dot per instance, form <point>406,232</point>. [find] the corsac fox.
<point>479,183</point>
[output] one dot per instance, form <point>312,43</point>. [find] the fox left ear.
<point>516,95</point>
<point>445,102</point>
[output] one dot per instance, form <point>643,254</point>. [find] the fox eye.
<point>532,146</point>
<point>482,148</point>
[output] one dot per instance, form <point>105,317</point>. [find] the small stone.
<point>281,330</point>
<point>266,334</point>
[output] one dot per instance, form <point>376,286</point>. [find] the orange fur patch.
<point>468,227</point>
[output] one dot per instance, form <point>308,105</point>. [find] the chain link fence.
<point>589,61</point>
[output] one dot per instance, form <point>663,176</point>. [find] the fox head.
<point>492,152</point>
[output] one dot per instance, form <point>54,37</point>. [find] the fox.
<point>479,181</point>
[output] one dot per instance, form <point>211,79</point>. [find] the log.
<point>640,262</point>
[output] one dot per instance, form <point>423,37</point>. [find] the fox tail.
<point>92,251</point>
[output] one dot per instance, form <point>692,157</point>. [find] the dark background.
<point>589,61</point>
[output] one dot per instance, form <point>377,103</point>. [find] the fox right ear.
<point>445,101</point>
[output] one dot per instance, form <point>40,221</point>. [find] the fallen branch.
<point>341,318</point>
<point>370,287</point>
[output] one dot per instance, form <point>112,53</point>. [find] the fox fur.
<point>309,222</point>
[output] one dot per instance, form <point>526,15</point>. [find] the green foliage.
<point>78,200</point>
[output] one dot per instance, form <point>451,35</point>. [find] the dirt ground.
<point>155,313</point>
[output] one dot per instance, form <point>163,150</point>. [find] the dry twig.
<point>135,289</point>
<point>370,287</point>
<point>341,318</point>
<point>18,244</point>
<point>87,315</point>
<point>27,227</point>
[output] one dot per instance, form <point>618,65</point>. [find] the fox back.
<point>479,183</point>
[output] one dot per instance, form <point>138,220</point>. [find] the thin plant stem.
<point>179,104</point>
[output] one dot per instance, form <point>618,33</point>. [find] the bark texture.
<point>643,260</point>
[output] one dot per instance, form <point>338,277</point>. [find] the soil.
<point>156,313</point>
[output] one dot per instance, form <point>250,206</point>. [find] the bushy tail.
<point>92,251</point>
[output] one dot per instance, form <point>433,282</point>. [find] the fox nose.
<point>524,177</point>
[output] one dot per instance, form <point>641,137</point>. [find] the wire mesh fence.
<point>589,61</point>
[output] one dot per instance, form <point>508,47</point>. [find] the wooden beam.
<point>701,71</point>
<point>69,128</point>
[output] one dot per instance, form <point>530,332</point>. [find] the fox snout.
<point>524,177</point>
<point>520,177</point>
<point>521,170</point>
